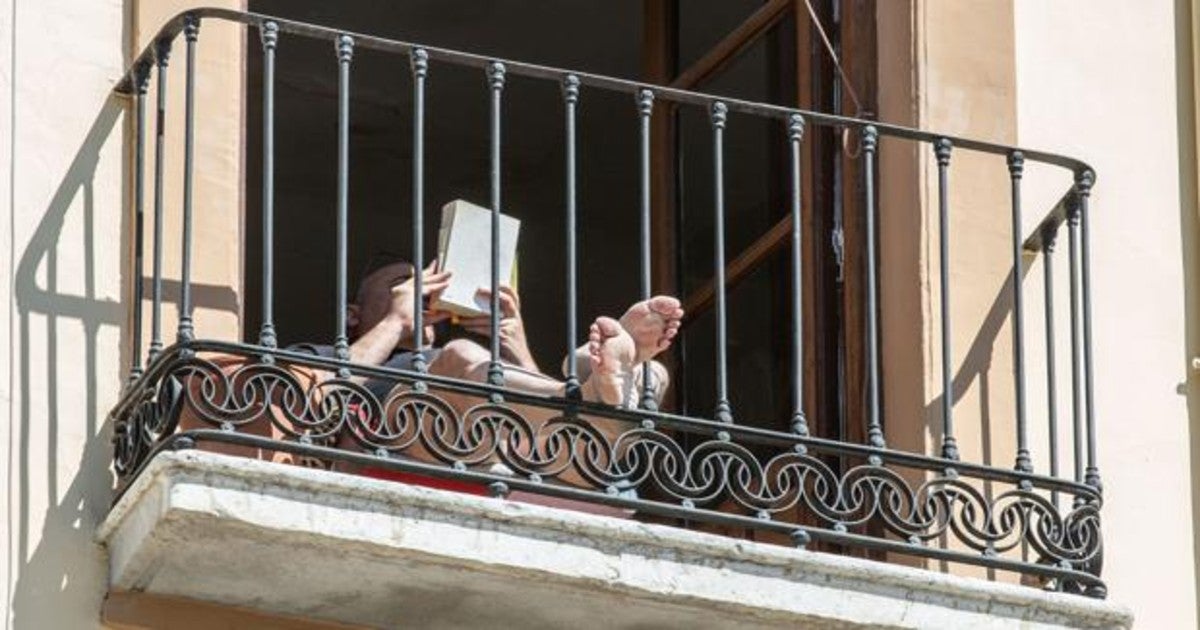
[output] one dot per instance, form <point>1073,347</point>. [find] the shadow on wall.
<point>60,581</point>
<point>66,566</point>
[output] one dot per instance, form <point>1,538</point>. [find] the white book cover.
<point>464,248</point>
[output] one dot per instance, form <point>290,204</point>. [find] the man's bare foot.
<point>653,324</point>
<point>612,352</point>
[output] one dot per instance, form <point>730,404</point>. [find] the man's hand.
<point>514,347</point>
<point>433,283</point>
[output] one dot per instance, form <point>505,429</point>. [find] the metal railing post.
<point>795,138</point>
<point>495,77</point>
<point>270,40</point>
<point>1083,185</point>
<point>419,60</point>
<point>1016,169</point>
<point>162,56</point>
<point>1049,237</point>
<point>191,32</point>
<point>870,143</point>
<point>345,53</point>
<point>645,103</point>
<point>570,103</point>
<point>724,410</point>
<point>941,150</point>
<point>139,210</point>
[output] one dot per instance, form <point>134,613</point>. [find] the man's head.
<point>373,300</point>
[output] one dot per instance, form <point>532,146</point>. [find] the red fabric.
<point>426,481</point>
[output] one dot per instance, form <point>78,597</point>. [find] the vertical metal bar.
<point>162,55</point>
<point>799,420</point>
<point>645,102</point>
<point>139,208</point>
<point>495,74</point>
<point>1076,334</point>
<point>420,69</point>
<point>724,411</point>
<point>571,100</point>
<point>266,334</point>
<point>191,31</point>
<point>1049,237</point>
<point>1016,169</point>
<point>941,150</point>
<point>870,142</point>
<point>1083,186</point>
<point>345,53</point>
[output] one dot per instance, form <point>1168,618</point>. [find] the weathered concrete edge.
<point>969,594</point>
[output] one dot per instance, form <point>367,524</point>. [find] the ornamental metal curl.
<point>713,473</point>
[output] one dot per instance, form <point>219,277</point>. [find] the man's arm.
<point>514,346</point>
<point>377,344</point>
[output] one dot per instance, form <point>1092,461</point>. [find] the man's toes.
<point>607,327</point>
<point>664,305</point>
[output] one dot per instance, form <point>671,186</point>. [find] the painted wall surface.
<point>63,242</point>
<point>1097,80</point>
<point>66,242</point>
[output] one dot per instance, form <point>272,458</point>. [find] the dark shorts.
<point>380,387</point>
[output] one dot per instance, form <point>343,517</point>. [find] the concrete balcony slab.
<point>328,546</point>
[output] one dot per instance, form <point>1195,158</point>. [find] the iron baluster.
<point>420,69</point>
<point>799,420</point>
<point>139,203</point>
<point>571,101</point>
<point>191,31</point>
<point>1016,168</point>
<point>1049,236</point>
<point>495,74</point>
<point>162,56</point>
<point>870,143</point>
<point>345,53</point>
<point>724,411</point>
<point>941,150</point>
<point>645,103</point>
<point>1076,334</point>
<point>270,40</point>
<point>1083,184</point>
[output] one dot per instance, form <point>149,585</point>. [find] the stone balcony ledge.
<point>335,547</point>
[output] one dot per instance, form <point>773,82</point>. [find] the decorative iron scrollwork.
<point>713,472</point>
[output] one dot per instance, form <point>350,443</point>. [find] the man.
<point>381,321</point>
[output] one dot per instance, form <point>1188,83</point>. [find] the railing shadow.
<point>66,563</point>
<point>61,562</point>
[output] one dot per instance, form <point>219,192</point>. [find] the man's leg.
<point>469,361</point>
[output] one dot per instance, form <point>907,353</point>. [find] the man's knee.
<point>459,357</point>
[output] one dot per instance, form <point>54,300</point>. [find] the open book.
<point>464,248</point>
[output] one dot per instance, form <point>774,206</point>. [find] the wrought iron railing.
<point>792,485</point>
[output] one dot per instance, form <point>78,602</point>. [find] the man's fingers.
<point>441,276</point>
<point>436,317</point>
<point>430,288</point>
<point>506,290</point>
<point>510,306</point>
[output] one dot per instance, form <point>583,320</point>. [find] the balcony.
<point>238,461</point>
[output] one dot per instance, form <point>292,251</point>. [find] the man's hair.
<point>377,261</point>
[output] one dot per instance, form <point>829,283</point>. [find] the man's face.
<point>375,300</point>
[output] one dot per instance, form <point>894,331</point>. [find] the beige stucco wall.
<point>1098,79</point>
<point>61,182</point>
<point>63,179</point>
